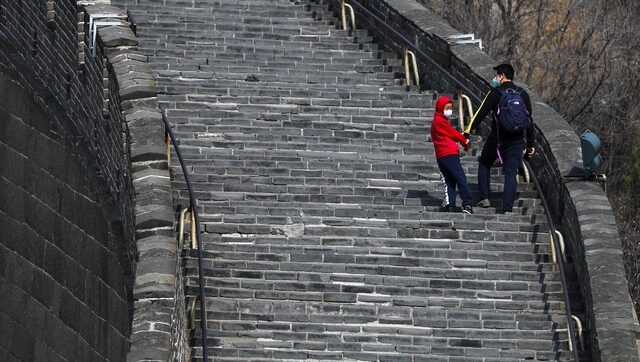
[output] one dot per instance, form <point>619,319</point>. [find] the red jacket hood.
<point>441,102</point>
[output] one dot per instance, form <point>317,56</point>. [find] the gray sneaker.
<point>484,203</point>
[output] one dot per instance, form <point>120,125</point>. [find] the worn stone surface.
<point>318,191</point>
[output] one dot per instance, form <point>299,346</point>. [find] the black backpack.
<point>512,115</point>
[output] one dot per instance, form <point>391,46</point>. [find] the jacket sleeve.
<point>488,104</point>
<point>447,129</point>
<point>530,132</point>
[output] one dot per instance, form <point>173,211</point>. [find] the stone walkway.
<point>319,196</point>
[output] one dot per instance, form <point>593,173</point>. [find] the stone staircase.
<point>319,196</point>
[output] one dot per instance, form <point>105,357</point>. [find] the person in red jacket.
<point>445,141</point>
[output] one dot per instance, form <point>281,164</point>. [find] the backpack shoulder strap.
<point>516,90</point>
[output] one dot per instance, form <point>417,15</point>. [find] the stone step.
<point>392,212</point>
<point>284,41</point>
<point>402,299</point>
<point>266,67</point>
<point>229,129</point>
<point>279,68</point>
<point>295,341</point>
<point>306,72</point>
<point>306,30</point>
<point>387,169</point>
<point>188,6</point>
<point>309,90</point>
<point>354,197</point>
<point>427,283</point>
<point>411,248</point>
<point>380,295</point>
<point>321,144</point>
<point>290,213</point>
<point>236,176</point>
<point>169,19</point>
<point>173,56</point>
<point>372,211</point>
<point>203,79</point>
<point>302,89</point>
<point>420,108</point>
<point>386,143</point>
<point>242,8</point>
<point>297,205</point>
<point>181,86</point>
<point>286,116</point>
<point>227,51</point>
<point>524,275</point>
<point>266,53</point>
<point>359,168</point>
<point>320,113</point>
<point>407,242</point>
<point>387,235</point>
<point>252,93</point>
<point>361,172</point>
<point>331,39</point>
<point>224,129</point>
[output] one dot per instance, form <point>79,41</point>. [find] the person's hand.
<point>466,135</point>
<point>530,151</point>
<point>466,145</point>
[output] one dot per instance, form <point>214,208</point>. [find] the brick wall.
<point>62,286</point>
<point>88,249</point>
<point>579,207</point>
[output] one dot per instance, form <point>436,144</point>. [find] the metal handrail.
<point>346,6</point>
<point>561,241</point>
<point>195,226</point>
<point>579,327</point>
<point>527,178</point>
<point>563,278</point>
<point>461,104</point>
<point>183,214</point>
<point>407,70</point>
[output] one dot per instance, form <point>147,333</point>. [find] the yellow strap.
<point>473,119</point>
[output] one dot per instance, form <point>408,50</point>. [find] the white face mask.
<point>448,112</point>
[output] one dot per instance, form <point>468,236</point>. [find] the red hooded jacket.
<point>444,136</point>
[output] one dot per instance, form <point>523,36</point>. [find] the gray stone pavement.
<point>319,194</point>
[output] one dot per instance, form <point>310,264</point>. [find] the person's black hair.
<point>506,69</point>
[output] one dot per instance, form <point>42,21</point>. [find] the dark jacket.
<point>490,104</point>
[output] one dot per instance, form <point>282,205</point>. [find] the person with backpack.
<point>445,142</point>
<point>512,131</point>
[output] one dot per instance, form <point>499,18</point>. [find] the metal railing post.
<point>193,230</point>
<point>579,328</point>
<point>352,14</point>
<point>462,97</point>
<point>414,62</point>
<point>405,61</point>
<point>181,228</point>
